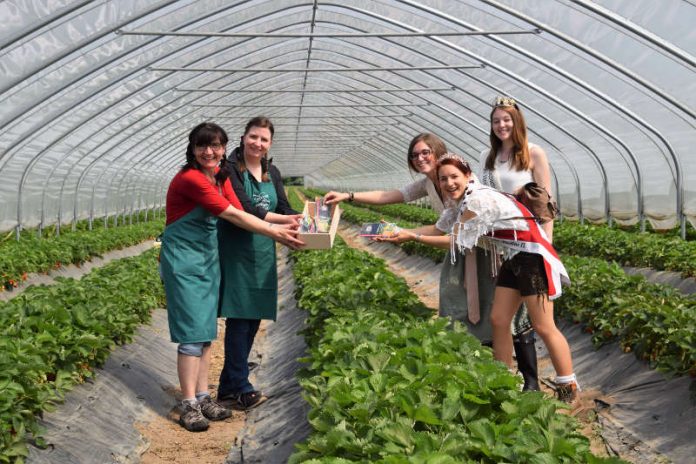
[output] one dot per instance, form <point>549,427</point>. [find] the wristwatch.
<point>351,196</point>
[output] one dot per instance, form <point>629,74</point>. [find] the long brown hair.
<point>433,141</point>
<point>520,150</point>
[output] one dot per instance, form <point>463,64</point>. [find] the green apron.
<point>191,273</point>
<point>453,301</point>
<point>249,288</point>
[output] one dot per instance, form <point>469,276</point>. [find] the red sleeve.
<point>228,193</point>
<point>189,189</point>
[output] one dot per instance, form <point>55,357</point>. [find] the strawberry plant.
<point>656,322</point>
<point>387,383</point>
<point>52,337</point>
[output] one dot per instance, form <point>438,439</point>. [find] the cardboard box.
<point>320,240</point>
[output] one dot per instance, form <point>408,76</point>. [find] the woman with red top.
<point>190,266</point>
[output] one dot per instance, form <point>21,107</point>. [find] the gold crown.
<point>504,101</point>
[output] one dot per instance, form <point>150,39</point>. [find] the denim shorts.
<point>524,272</point>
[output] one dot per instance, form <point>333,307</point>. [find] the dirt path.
<point>168,442</point>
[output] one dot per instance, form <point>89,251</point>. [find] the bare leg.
<point>541,314</point>
<point>187,368</point>
<point>506,301</point>
<point>203,367</point>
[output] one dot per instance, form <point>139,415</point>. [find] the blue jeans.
<point>239,336</point>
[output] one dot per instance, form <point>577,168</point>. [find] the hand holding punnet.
<point>287,235</point>
<point>293,220</point>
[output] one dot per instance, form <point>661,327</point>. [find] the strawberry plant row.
<point>97,223</point>
<point>387,383</point>
<point>628,249</point>
<point>33,254</point>
<point>51,338</point>
<point>657,251</point>
<point>654,321</point>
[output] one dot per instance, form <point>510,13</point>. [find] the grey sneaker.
<point>192,418</point>
<point>567,392</point>
<point>212,410</point>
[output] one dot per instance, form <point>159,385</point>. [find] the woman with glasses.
<point>423,152</point>
<point>190,267</point>
<point>249,289</point>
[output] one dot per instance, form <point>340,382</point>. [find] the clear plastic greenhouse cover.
<point>98,96</point>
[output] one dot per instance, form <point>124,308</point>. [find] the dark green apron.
<point>249,288</point>
<point>191,274</point>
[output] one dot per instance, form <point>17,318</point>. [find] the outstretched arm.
<point>375,197</point>
<point>280,233</point>
<point>429,235</point>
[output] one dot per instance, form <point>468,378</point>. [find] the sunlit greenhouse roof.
<point>99,96</point>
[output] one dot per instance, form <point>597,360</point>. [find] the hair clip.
<point>504,101</point>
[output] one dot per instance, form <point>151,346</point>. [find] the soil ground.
<point>168,442</point>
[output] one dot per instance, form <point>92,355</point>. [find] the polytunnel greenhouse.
<point>99,100</point>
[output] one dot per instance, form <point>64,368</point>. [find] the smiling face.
<point>422,158</point>
<point>453,182</point>
<point>502,125</point>
<point>257,141</point>
<point>208,155</point>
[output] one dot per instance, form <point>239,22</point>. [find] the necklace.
<point>503,158</point>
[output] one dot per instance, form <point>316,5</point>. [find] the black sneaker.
<point>212,410</point>
<point>249,400</point>
<point>192,418</point>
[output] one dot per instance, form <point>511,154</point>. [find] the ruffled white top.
<point>494,211</point>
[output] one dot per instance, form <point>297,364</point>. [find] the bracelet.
<point>351,196</point>
<point>418,237</point>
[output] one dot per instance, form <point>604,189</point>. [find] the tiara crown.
<point>453,156</point>
<point>504,101</point>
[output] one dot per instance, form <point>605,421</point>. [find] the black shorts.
<point>524,272</point>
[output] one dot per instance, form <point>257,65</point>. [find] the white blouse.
<point>421,188</point>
